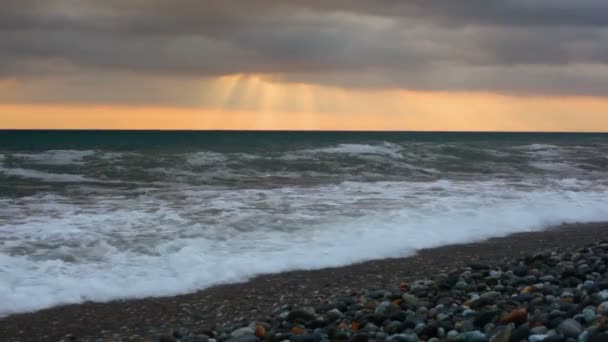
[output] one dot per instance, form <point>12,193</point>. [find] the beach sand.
<point>248,301</point>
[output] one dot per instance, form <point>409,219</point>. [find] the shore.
<point>247,302</point>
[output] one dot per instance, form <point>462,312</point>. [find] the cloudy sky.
<point>305,64</point>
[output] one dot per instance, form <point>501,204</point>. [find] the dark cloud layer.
<point>510,46</point>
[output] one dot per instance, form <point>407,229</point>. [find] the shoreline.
<point>234,303</point>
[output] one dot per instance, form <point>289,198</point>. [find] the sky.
<point>504,65</point>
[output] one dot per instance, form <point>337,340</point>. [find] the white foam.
<point>205,158</point>
<point>555,166</point>
<point>180,240</point>
<point>386,149</point>
<point>114,155</point>
<point>538,147</point>
<point>46,176</point>
<point>56,157</point>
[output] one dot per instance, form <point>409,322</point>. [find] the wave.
<point>205,158</point>
<point>386,149</point>
<point>59,251</point>
<point>56,157</point>
<point>46,176</point>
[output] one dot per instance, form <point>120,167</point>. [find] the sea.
<point>107,215</point>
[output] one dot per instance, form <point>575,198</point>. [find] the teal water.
<point>239,140</point>
<point>102,215</point>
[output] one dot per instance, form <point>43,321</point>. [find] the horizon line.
<point>281,130</point>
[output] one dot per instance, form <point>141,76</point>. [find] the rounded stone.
<point>603,308</point>
<point>589,315</point>
<point>570,328</point>
<point>242,332</point>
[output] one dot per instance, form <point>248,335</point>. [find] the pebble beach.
<point>537,286</point>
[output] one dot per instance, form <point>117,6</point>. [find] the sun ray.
<point>308,113</point>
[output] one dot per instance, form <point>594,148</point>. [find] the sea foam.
<point>56,250</point>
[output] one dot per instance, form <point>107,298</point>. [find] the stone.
<point>444,301</point>
<point>589,315</point>
<point>468,313</point>
<point>516,316</point>
<point>260,331</point>
<point>487,298</point>
<point>527,290</point>
<point>385,308</point>
<point>460,285</point>
<point>317,323</point>
<point>520,270</point>
<point>474,336</point>
<point>598,337</point>
<point>403,338</point>
<point>371,327</point>
<point>570,328</point>
<point>466,325</point>
<point>523,298</point>
<point>477,266</point>
<point>503,336</point>
<point>419,328</point>
<point>304,338</point>
<point>398,315</point>
<point>334,315</point>
<point>537,338</point>
<point>432,330</point>
<point>520,333</point>
<point>195,338</point>
<point>484,317</point>
<point>490,296</point>
<point>602,309</point>
<point>166,338</point>
<point>244,338</point>
<point>442,317</point>
<point>393,328</point>
<point>359,338</point>
<point>297,330</point>
<point>242,332</point>
<point>554,338</point>
<point>410,299</point>
<point>300,315</point>
<point>542,330</point>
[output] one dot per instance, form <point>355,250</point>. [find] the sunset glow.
<point>242,102</point>
<point>303,66</point>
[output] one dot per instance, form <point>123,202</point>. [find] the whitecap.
<point>45,176</point>
<point>56,157</point>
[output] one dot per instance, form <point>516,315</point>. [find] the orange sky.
<point>263,104</point>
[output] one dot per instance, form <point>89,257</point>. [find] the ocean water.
<point>108,215</point>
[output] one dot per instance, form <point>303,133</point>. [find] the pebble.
<point>242,332</point>
<point>244,338</point>
<point>602,309</point>
<point>334,315</point>
<point>410,299</point>
<point>537,338</point>
<point>589,315</point>
<point>300,315</point>
<point>570,328</point>
<point>545,297</point>
<point>542,330</point>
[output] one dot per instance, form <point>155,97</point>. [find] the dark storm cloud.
<point>538,46</point>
